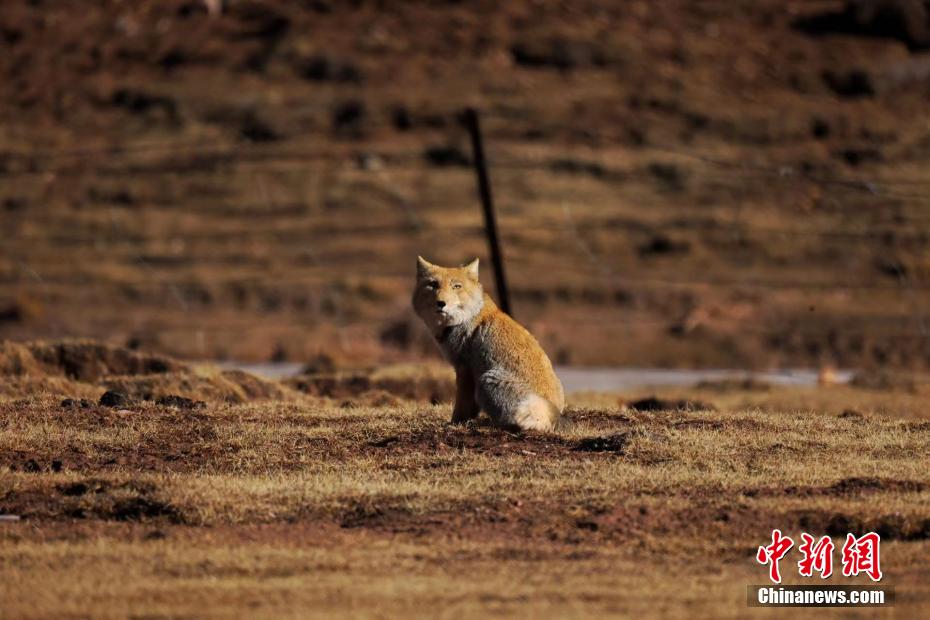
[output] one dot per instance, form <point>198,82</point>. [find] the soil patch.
<point>654,404</point>
<point>845,487</point>
<point>480,436</point>
<point>92,499</point>
<point>425,387</point>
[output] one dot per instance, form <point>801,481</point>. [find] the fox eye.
<point>456,286</point>
<point>432,285</point>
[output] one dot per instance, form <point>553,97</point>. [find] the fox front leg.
<point>466,407</point>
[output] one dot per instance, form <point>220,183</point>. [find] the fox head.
<point>447,296</point>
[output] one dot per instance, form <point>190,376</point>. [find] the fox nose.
<point>441,304</point>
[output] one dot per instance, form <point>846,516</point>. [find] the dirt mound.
<point>482,436</point>
<point>380,513</point>
<point>653,404</point>
<point>80,360</point>
<point>907,21</point>
<point>173,400</point>
<point>610,443</point>
<point>479,436</point>
<point>426,382</point>
<point>17,360</point>
<point>230,386</point>
<point>866,485</point>
<point>845,487</point>
<point>94,499</point>
<point>86,369</point>
<point>889,526</point>
<point>372,398</point>
<point>13,386</point>
<point>619,522</point>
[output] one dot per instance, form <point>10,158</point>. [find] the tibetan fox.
<point>499,366</point>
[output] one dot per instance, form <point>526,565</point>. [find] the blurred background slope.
<point>704,183</point>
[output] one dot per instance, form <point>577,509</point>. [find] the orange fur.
<point>500,367</point>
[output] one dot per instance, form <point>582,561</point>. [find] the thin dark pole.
<point>470,117</point>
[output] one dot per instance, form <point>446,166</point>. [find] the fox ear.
<point>423,266</point>
<point>472,269</point>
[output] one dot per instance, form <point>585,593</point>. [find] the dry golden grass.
<point>312,508</point>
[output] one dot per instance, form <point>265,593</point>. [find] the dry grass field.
<point>272,502</point>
